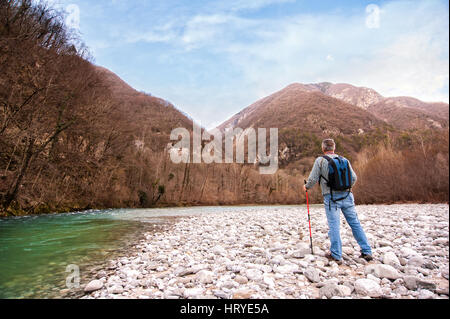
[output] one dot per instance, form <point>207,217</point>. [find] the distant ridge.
<point>400,112</point>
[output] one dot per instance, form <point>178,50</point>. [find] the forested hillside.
<point>72,135</point>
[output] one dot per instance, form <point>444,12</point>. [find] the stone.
<point>312,274</point>
<point>410,270</point>
<point>387,291</point>
<point>410,282</point>
<point>277,246</point>
<point>347,250</point>
<point>329,281</point>
<point>345,290</point>
<point>288,291</point>
<point>268,280</point>
<point>234,268</point>
<point>416,261</point>
<point>426,285</point>
<point>278,260</point>
<point>444,272</point>
<point>221,294</point>
<point>131,273</point>
<point>241,279</point>
<point>382,271</point>
<point>330,290</point>
<point>287,269</point>
<point>219,250</point>
<point>205,277</point>
<point>402,291</point>
<point>93,286</point>
<point>429,265</point>
<point>384,243</point>
<point>408,252</point>
<point>182,271</point>
<point>442,291</point>
<point>398,282</point>
<point>414,283</point>
<point>367,287</point>
<point>372,277</point>
<point>424,271</point>
<point>117,290</point>
<point>228,284</point>
<point>114,280</point>
<point>193,292</point>
<point>386,282</point>
<point>301,251</point>
<point>243,294</point>
<point>403,261</point>
<point>254,274</point>
<point>426,294</point>
<point>298,254</point>
<point>349,285</point>
<point>152,266</point>
<point>391,259</point>
<point>440,241</point>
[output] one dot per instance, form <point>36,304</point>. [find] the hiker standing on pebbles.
<point>338,179</point>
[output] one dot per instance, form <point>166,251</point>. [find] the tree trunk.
<point>14,189</point>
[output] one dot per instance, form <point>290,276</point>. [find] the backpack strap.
<point>348,177</point>
<point>328,160</point>
<point>342,198</point>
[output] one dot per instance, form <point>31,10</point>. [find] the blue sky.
<point>213,58</point>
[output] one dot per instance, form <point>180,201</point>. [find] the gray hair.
<point>328,145</point>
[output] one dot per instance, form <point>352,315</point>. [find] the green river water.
<point>35,251</point>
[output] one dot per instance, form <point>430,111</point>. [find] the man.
<point>333,205</point>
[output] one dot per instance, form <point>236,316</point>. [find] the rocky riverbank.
<point>264,252</point>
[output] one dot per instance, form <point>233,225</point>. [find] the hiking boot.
<point>331,258</point>
<point>366,257</point>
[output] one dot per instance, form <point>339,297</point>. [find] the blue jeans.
<point>333,216</point>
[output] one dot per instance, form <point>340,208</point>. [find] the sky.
<point>211,59</point>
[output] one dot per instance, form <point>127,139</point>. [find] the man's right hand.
<point>304,188</point>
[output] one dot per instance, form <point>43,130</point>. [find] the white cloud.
<point>213,31</point>
<point>150,36</point>
<point>413,66</point>
<point>203,28</point>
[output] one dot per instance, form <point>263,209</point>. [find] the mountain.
<point>399,112</point>
<point>359,96</point>
<point>305,107</point>
<point>144,117</point>
<point>436,109</point>
<point>406,116</point>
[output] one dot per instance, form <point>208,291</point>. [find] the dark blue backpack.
<point>339,176</point>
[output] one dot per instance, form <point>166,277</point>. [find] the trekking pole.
<point>309,221</point>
